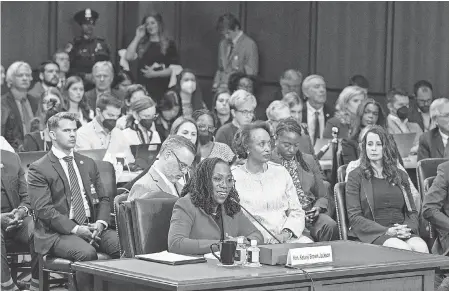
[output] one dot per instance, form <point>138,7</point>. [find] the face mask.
<point>425,109</point>
<point>147,123</point>
<point>109,124</point>
<point>402,112</point>
<point>188,86</point>
<point>204,139</point>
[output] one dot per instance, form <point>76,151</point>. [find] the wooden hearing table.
<point>356,266</point>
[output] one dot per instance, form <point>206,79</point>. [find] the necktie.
<point>316,134</point>
<point>79,213</point>
<point>231,49</point>
<point>446,149</point>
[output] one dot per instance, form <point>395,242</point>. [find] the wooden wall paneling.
<point>421,45</point>
<point>106,25</point>
<point>198,36</point>
<point>24,32</point>
<point>351,40</point>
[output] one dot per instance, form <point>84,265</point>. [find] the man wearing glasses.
<point>175,160</point>
<point>420,113</point>
<point>242,106</point>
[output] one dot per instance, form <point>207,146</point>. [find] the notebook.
<point>171,258</point>
<point>145,154</point>
<point>321,142</point>
<point>404,142</point>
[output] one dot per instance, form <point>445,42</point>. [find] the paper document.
<point>170,258</point>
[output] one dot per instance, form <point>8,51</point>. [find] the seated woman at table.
<point>400,164</point>
<point>206,213</point>
<point>379,202</point>
<point>307,178</point>
<point>208,148</point>
<point>266,189</point>
<point>369,112</point>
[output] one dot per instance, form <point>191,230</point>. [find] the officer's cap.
<point>86,16</point>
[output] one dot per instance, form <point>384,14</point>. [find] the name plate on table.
<point>309,256</point>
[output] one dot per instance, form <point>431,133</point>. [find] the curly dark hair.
<point>357,126</point>
<point>389,158</point>
<point>291,125</point>
<point>243,136</point>
<point>200,188</point>
<point>235,78</point>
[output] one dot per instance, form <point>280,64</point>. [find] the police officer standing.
<point>86,50</point>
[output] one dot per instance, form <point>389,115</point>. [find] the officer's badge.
<point>99,47</point>
<point>68,47</point>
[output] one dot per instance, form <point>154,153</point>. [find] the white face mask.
<point>188,86</point>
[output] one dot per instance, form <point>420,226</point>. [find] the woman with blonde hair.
<point>346,107</point>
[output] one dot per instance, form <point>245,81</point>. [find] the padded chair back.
<point>123,223</point>
<point>427,168</point>
<point>107,176</point>
<point>341,173</point>
<point>151,221</point>
<point>340,205</point>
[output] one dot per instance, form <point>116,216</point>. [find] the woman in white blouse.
<point>140,128</point>
<point>74,101</point>
<point>266,189</point>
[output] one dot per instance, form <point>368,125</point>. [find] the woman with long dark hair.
<point>74,100</point>
<point>169,109</point>
<point>307,179</point>
<point>368,113</point>
<point>206,213</point>
<point>221,108</point>
<point>155,53</point>
<point>380,206</point>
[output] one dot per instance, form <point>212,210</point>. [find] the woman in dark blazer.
<point>307,176</point>
<point>379,202</point>
<point>206,214</point>
<point>369,112</point>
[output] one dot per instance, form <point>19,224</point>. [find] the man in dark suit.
<point>18,107</point>
<point>419,112</point>
<point>433,144</point>
<point>48,76</point>
<point>71,207</point>
<point>16,224</point>
<point>315,112</point>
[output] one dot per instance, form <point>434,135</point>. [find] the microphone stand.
<point>263,226</point>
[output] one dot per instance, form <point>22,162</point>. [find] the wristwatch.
<point>24,208</point>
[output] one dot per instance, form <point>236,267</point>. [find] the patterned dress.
<point>307,201</point>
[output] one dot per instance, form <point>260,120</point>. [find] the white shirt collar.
<point>169,184</point>
<point>236,38</point>
<point>311,109</point>
<point>60,154</point>
<point>443,136</point>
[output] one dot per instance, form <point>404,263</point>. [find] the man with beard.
<point>420,112</point>
<point>62,58</point>
<point>48,76</point>
<point>86,50</point>
<point>207,147</point>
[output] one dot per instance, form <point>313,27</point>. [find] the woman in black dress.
<point>379,202</point>
<point>155,53</point>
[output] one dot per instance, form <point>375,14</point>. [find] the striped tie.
<point>79,213</point>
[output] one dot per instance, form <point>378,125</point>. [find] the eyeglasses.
<point>204,127</point>
<point>183,167</point>
<point>246,112</point>
<point>220,180</point>
<point>424,102</point>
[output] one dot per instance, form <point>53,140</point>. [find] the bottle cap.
<point>253,242</point>
<point>240,240</point>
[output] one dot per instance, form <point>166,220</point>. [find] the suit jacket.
<point>349,150</point>
<point>151,183</point>
<point>244,58</point>
<point>327,110</point>
<point>12,128</point>
<point>431,145</point>
<point>13,180</point>
<point>37,91</point>
<point>360,207</point>
<point>312,182</point>
<point>50,195</point>
<point>33,142</point>
<point>91,97</point>
<point>436,209</point>
<point>416,117</point>
<point>343,129</point>
<point>393,128</point>
<point>192,230</point>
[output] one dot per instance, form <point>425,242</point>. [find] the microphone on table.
<point>326,147</point>
<point>263,226</point>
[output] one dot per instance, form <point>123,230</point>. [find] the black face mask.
<point>402,112</point>
<point>147,123</point>
<point>109,124</point>
<point>425,109</point>
<point>204,139</point>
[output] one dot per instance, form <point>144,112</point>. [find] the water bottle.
<point>253,255</point>
<point>240,252</point>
